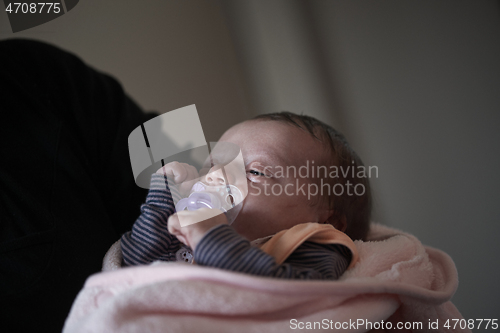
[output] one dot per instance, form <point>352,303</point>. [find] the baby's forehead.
<point>264,131</point>
<point>279,139</point>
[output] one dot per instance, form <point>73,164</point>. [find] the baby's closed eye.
<point>256,173</point>
<point>257,176</point>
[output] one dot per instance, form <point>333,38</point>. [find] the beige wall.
<point>421,83</point>
<point>167,54</point>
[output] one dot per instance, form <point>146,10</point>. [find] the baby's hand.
<point>193,231</point>
<point>180,173</point>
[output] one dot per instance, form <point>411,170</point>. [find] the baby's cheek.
<point>255,190</point>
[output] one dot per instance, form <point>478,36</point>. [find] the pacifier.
<point>224,197</point>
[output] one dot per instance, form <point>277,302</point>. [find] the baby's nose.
<point>215,177</point>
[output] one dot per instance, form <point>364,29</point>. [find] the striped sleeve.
<point>149,239</point>
<point>223,248</point>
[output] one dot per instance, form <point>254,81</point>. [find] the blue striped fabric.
<point>222,247</point>
<point>149,239</point>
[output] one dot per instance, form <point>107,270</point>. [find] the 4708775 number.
<point>33,8</point>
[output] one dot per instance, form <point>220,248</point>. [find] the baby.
<point>271,145</point>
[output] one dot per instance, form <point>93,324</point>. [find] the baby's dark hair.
<point>355,208</point>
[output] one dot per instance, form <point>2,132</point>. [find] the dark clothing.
<point>66,186</point>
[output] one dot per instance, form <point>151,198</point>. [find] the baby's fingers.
<point>191,171</point>
<point>175,171</point>
<point>174,228</point>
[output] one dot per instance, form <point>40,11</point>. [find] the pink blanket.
<point>397,282</point>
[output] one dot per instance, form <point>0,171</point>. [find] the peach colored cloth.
<point>395,279</point>
<point>281,245</point>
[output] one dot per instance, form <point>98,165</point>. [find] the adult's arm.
<point>67,190</point>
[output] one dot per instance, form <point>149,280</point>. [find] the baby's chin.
<point>245,229</point>
<point>248,230</point>
<point>239,227</point>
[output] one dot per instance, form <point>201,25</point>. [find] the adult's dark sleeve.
<point>66,186</point>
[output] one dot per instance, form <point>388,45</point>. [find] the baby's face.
<point>276,199</point>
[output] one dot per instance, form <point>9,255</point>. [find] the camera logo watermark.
<point>24,15</point>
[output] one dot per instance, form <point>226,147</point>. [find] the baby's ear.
<point>340,223</point>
